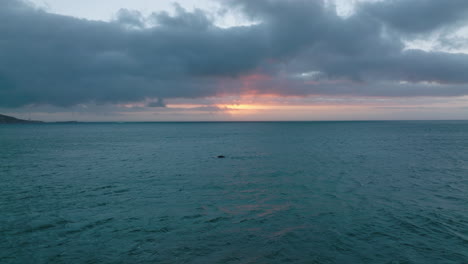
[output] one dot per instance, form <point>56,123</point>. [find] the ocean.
<point>286,192</point>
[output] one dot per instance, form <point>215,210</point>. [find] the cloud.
<point>131,18</point>
<point>58,60</point>
<point>418,16</point>
<point>157,103</point>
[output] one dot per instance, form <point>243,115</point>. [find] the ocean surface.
<point>300,192</point>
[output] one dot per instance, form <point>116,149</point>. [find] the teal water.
<point>318,192</point>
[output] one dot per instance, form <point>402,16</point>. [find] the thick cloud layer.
<point>299,47</point>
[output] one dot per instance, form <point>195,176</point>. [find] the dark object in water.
<point>221,157</point>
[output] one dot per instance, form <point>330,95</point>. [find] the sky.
<point>234,60</point>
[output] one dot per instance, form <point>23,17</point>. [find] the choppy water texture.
<point>319,192</point>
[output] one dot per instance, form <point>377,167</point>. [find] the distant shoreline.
<point>4,119</point>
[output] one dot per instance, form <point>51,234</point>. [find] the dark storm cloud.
<point>47,58</point>
<point>52,59</point>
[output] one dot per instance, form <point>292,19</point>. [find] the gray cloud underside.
<point>59,60</point>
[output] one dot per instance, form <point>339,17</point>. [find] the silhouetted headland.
<point>4,119</point>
